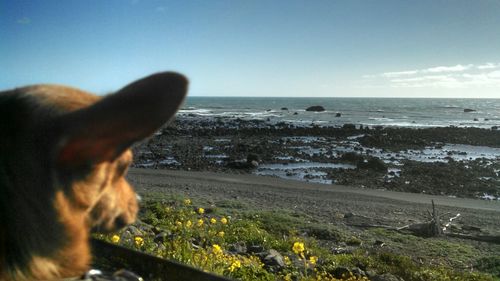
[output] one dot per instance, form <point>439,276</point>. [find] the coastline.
<point>450,161</point>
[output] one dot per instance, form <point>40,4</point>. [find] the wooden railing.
<point>151,268</point>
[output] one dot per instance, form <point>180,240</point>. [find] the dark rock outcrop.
<point>316,108</point>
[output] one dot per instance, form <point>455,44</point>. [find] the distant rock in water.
<point>317,108</point>
<point>469,110</point>
<point>284,108</point>
<point>338,114</point>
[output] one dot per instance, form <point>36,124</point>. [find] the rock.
<point>274,260</point>
<point>238,248</point>
<point>162,237</point>
<point>348,215</point>
<point>494,127</point>
<point>255,249</point>
<point>284,108</point>
<point>253,157</point>
<point>338,114</point>
<point>349,126</point>
<point>134,230</point>
<point>241,165</point>
<point>370,274</point>
<point>358,272</point>
<point>469,110</point>
<point>372,163</point>
<point>351,157</point>
<point>475,119</point>
<point>295,113</point>
<point>316,108</point>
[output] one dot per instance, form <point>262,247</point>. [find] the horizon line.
<point>365,97</point>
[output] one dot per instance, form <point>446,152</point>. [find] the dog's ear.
<point>102,131</point>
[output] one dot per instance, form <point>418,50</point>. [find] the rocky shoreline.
<point>452,161</point>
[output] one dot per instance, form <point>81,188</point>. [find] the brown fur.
<point>63,157</point>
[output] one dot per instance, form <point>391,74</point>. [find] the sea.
<point>398,112</point>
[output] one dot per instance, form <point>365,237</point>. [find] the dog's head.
<point>63,164</point>
<point>92,152</point>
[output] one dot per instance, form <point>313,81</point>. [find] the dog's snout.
<point>120,222</point>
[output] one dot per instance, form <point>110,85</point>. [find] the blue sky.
<point>258,48</point>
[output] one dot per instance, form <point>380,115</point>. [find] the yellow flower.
<point>201,211</point>
<point>287,260</point>
<point>223,220</point>
<point>213,221</point>
<point>139,241</point>
<point>187,202</point>
<point>236,264</point>
<point>115,238</point>
<point>216,249</point>
<point>313,260</point>
<point>178,223</point>
<point>221,234</point>
<point>189,224</point>
<point>298,247</point>
<point>200,222</point>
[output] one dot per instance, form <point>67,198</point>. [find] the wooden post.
<point>436,229</point>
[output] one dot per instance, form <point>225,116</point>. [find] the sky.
<point>320,48</point>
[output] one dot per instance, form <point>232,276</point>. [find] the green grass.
<point>203,239</point>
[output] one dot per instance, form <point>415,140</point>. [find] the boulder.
<point>338,114</point>
<point>284,108</point>
<point>238,248</point>
<point>316,108</point>
<point>372,163</point>
<point>274,259</point>
<point>469,110</point>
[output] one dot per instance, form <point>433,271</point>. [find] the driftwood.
<point>434,228</point>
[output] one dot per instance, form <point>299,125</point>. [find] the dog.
<point>63,157</point>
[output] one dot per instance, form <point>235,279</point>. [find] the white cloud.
<point>457,76</point>
<point>399,73</point>
<point>494,74</point>
<point>24,20</point>
<point>488,65</point>
<point>456,68</point>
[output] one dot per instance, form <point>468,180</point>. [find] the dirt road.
<point>324,203</point>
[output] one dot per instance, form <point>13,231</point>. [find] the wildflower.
<point>178,223</point>
<point>236,264</point>
<point>201,211</point>
<point>213,221</point>
<point>217,250</point>
<point>187,202</point>
<point>287,260</point>
<point>139,241</point>
<point>298,247</point>
<point>189,224</point>
<point>223,220</point>
<point>221,234</point>
<point>313,260</point>
<point>115,238</point>
<point>200,222</point>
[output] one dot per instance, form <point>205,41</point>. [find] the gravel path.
<point>323,203</point>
